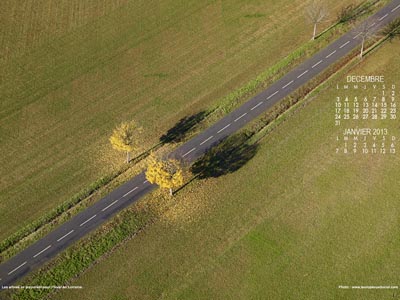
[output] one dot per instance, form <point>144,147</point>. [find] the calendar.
<point>365,115</point>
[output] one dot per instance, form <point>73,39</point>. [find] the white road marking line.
<point>381,18</point>
<point>344,44</point>
<point>87,220</point>
<point>222,129</point>
<point>188,152</point>
<point>372,25</point>
<point>107,207</point>
<point>146,181</point>
<point>356,36</point>
<point>286,85</point>
<point>65,235</point>
<point>238,118</point>
<point>302,73</point>
<point>254,107</point>
<point>205,141</point>
<point>130,191</point>
<point>330,54</point>
<point>270,96</point>
<point>395,8</point>
<point>37,254</point>
<point>316,64</point>
<point>9,273</point>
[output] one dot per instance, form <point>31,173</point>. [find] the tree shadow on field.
<point>182,127</point>
<point>227,157</point>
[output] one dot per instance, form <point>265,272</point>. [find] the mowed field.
<point>295,222</point>
<point>70,71</point>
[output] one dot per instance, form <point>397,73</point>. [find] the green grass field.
<point>71,71</point>
<point>295,222</point>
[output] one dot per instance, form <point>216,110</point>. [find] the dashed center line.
<point>356,36</point>
<point>222,129</point>
<point>206,140</point>
<point>286,85</point>
<point>132,190</point>
<point>238,118</point>
<point>381,18</point>
<point>302,73</point>
<point>9,273</point>
<point>188,152</point>
<point>65,235</point>
<point>330,54</point>
<point>254,107</point>
<point>344,44</point>
<point>146,181</point>
<point>270,96</point>
<point>317,64</point>
<point>87,220</point>
<point>108,206</point>
<point>40,252</point>
<point>395,8</point>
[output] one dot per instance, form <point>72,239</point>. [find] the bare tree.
<point>365,31</point>
<point>316,12</point>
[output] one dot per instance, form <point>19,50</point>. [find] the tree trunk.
<point>128,157</point>
<point>362,48</point>
<point>315,31</point>
<point>170,192</point>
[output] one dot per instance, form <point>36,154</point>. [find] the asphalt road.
<point>91,218</point>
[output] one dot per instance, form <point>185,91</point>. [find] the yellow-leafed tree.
<point>166,173</point>
<point>123,138</point>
